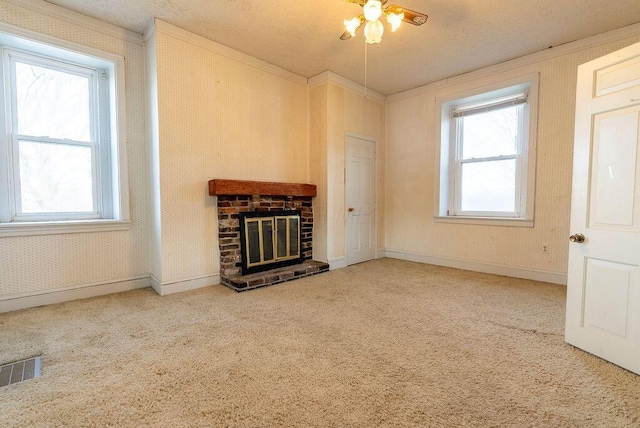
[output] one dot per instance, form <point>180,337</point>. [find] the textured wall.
<point>350,112</point>
<point>318,167</point>
<point>218,118</point>
<point>35,264</point>
<point>411,180</point>
<point>335,111</point>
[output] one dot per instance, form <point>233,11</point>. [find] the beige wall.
<point>335,112</point>
<point>318,167</point>
<point>411,181</point>
<point>218,118</point>
<point>39,264</point>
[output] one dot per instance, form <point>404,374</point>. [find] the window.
<point>487,157</point>
<point>60,154</point>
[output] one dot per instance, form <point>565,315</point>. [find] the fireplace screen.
<point>269,239</point>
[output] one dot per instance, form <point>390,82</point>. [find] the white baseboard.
<point>65,294</point>
<point>155,284</point>
<point>341,262</point>
<point>337,263</point>
<point>184,285</point>
<point>496,269</point>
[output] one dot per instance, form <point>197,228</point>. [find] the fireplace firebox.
<point>269,239</point>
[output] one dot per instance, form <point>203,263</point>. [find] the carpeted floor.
<point>384,343</point>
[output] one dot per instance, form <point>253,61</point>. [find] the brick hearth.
<point>274,276</point>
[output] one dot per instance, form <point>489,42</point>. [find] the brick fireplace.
<point>235,197</point>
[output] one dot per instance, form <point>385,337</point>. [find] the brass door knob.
<point>351,209</point>
<point>578,238</point>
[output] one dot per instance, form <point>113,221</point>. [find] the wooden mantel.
<point>218,187</point>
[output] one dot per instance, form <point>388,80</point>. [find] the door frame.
<point>375,192</point>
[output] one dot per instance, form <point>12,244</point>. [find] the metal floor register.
<point>20,371</point>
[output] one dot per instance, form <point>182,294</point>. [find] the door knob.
<point>351,209</point>
<point>578,238</point>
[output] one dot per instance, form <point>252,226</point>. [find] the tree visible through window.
<point>62,149</point>
<point>56,131</point>
<point>56,173</point>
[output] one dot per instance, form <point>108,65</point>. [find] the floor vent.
<point>20,371</point>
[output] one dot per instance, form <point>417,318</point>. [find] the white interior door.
<point>361,196</point>
<point>603,291</point>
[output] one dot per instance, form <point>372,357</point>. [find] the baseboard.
<point>337,263</point>
<point>59,295</point>
<point>155,284</point>
<point>496,269</point>
<point>341,262</point>
<point>184,285</point>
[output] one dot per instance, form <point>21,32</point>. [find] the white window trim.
<point>23,39</point>
<point>469,93</point>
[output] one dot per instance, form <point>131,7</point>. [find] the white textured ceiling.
<point>302,35</point>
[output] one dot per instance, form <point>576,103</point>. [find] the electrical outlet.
<point>545,249</point>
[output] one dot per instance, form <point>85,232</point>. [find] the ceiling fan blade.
<point>413,17</point>
<point>410,16</point>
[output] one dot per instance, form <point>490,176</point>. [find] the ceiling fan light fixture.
<point>372,10</point>
<point>373,32</point>
<point>372,17</point>
<point>352,25</point>
<point>395,19</point>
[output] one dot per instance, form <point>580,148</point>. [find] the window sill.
<point>486,221</point>
<point>59,227</point>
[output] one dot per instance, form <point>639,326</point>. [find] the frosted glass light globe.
<point>395,19</point>
<point>372,10</point>
<point>352,26</point>
<point>373,32</point>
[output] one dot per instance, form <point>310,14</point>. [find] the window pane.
<point>282,237</point>
<point>52,103</point>
<point>55,178</point>
<point>489,186</point>
<point>253,239</point>
<point>267,239</point>
<point>293,232</point>
<point>489,134</point>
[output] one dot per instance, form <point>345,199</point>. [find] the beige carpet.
<point>384,343</point>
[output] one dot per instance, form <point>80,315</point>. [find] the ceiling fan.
<point>372,11</point>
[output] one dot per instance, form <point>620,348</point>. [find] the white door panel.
<point>603,290</point>
<point>607,288</point>
<point>614,171</point>
<point>615,77</point>
<point>360,189</point>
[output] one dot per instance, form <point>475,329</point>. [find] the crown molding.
<point>554,52</point>
<point>78,19</point>
<point>330,76</point>
<point>149,30</point>
<point>204,43</point>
